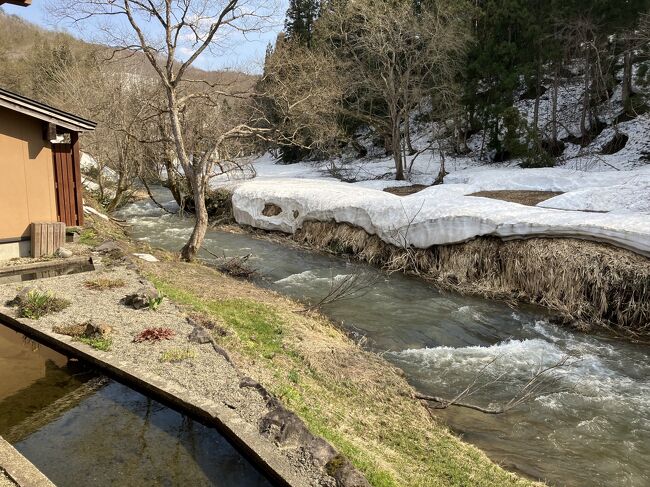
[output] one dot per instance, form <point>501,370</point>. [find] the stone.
<point>147,257</point>
<point>22,295</point>
<point>97,330</point>
<point>63,253</point>
<point>140,299</point>
<point>200,335</point>
<point>285,428</point>
<point>250,383</point>
<point>345,474</point>
<point>108,246</point>
<point>320,451</point>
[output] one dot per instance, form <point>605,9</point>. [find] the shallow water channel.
<point>81,429</point>
<point>592,427</point>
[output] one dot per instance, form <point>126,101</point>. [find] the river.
<point>592,427</point>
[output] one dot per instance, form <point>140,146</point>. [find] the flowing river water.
<point>592,427</point>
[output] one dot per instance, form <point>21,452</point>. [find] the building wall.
<point>26,176</point>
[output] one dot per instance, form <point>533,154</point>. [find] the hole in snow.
<point>615,145</point>
<point>271,209</point>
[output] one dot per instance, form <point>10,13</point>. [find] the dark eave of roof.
<point>49,114</point>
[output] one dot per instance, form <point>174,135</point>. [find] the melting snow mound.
<point>436,216</point>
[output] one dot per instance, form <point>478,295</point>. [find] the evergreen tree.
<point>301,16</point>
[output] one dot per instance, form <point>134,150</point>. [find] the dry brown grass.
<point>405,190</point>
<point>528,198</point>
<point>586,282</point>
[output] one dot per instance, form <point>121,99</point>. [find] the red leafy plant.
<point>154,335</point>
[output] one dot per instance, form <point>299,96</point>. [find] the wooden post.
<point>47,238</point>
<point>76,169</point>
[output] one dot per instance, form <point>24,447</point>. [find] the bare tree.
<point>165,31</point>
<point>299,95</point>
<point>107,95</point>
<point>393,56</point>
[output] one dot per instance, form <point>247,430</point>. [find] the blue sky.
<point>244,54</point>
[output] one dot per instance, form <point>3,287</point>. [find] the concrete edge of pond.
<point>243,436</point>
<point>20,470</point>
<point>38,266</point>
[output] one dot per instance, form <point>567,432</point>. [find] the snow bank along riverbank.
<point>574,277</point>
<point>439,215</point>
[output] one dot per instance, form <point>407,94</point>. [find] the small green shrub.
<point>154,303</point>
<point>293,376</point>
<point>98,343</point>
<point>88,237</point>
<point>177,355</point>
<point>39,303</point>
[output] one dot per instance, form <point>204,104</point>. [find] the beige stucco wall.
<point>26,175</point>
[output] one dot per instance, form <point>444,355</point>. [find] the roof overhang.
<point>43,112</point>
<point>20,3</point>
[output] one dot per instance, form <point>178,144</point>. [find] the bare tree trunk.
<point>173,184</point>
<point>627,80</point>
<point>556,89</point>
<point>119,193</point>
<point>587,94</point>
<point>191,248</point>
<point>538,84</point>
<point>397,151</point>
<point>407,135</point>
<point>442,172</point>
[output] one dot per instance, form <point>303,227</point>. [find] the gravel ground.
<point>208,373</point>
<point>6,481</point>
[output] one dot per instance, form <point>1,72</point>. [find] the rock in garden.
<point>140,299</point>
<point>108,246</point>
<point>345,474</point>
<point>321,451</point>
<point>285,428</point>
<point>21,297</point>
<point>63,253</point>
<point>200,335</point>
<point>97,330</point>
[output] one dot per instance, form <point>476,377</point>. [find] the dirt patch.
<point>271,209</point>
<point>405,190</point>
<point>528,198</point>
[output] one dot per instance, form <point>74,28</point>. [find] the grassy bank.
<point>354,399</point>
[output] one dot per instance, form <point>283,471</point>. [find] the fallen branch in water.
<point>349,287</point>
<point>151,197</point>
<point>541,383</point>
<point>445,403</point>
